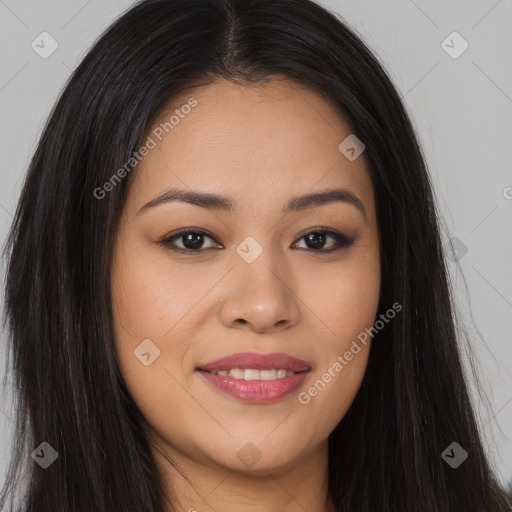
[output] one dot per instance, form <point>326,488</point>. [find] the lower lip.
<point>256,391</point>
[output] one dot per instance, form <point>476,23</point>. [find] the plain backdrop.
<point>459,99</point>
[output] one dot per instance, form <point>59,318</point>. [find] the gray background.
<point>461,107</point>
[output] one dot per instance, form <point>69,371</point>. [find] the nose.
<point>260,297</point>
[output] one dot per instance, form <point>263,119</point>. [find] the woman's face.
<point>248,278</point>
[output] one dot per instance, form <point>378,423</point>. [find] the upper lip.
<point>244,360</point>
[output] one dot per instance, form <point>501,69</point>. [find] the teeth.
<point>236,373</point>
<point>253,374</point>
<point>268,374</point>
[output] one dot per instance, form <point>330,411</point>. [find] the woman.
<point>226,288</point>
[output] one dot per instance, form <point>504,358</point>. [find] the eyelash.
<point>342,241</point>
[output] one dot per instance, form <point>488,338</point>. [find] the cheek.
<point>344,299</point>
<point>148,304</point>
<point>149,297</point>
<point>143,309</point>
<point>346,304</point>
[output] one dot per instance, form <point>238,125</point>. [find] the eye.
<point>316,239</point>
<point>192,240</point>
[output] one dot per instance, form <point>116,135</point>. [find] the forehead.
<point>261,142</point>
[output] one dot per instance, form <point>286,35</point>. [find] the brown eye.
<point>316,240</point>
<point>192,240</point>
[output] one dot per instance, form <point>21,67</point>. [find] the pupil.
<point>195,238</point>
<point>318,239</point>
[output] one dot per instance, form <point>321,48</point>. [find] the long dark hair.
<point>385,454</point>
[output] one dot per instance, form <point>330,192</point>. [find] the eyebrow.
<point>222,203</point>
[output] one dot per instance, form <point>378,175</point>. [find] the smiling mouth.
<point>254,377</point>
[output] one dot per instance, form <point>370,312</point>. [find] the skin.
<point>258,145</point>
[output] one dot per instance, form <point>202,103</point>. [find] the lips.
<point>256,378</point>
